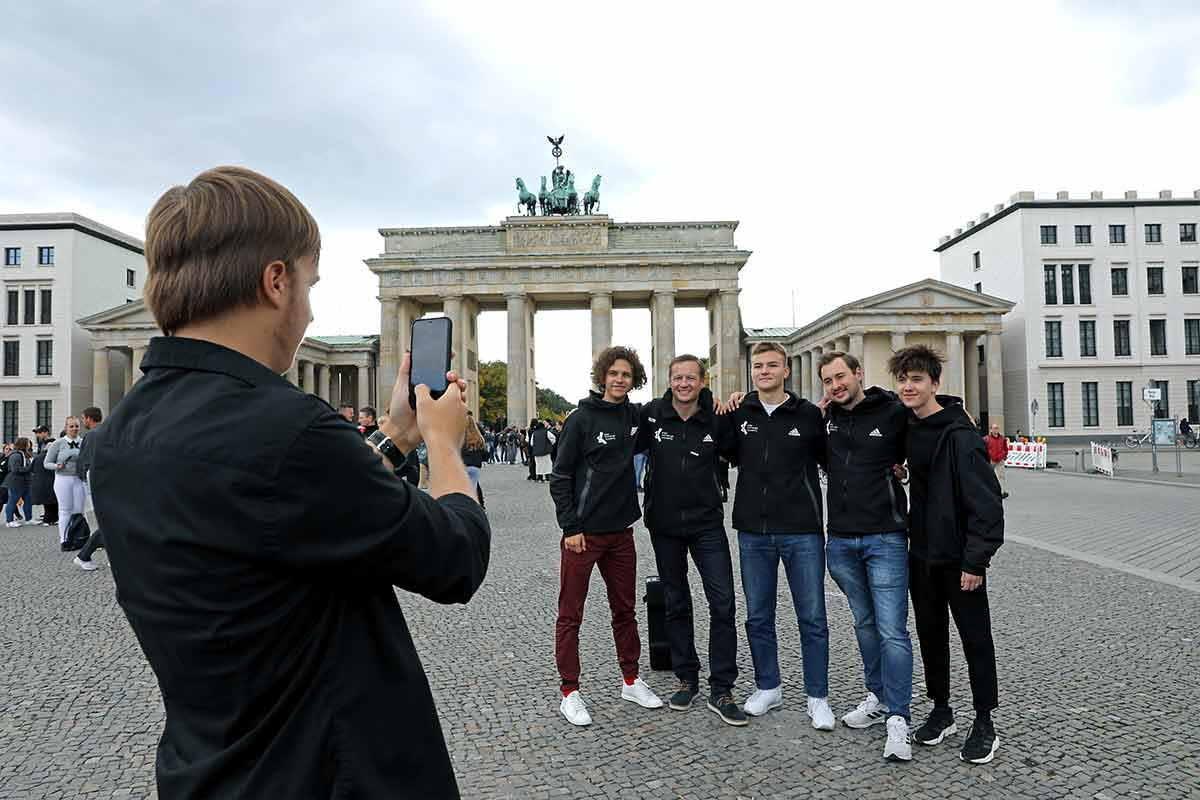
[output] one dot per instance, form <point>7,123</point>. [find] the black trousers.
<point>50,513</point>
<point>710,551</point>
<point>936,596</point>
<point>94,541</point>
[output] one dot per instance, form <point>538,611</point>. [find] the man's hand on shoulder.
<point>730,405</point>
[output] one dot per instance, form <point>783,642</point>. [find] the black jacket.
<point>957,514</point>
<point>778,488</point>
<point>43,479</point>
<point>682,494</point>
<point>20,472</point>
<point>862,445</point>
<point>255,542</point>
<point>539,442</point>
<point>592,483</point>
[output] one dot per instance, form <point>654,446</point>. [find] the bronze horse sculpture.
<point>526,200</point>
<point>591,200</point>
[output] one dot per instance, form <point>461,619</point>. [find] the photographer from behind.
<point>256,563</point>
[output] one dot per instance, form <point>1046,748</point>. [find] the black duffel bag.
<point>78,532</point>
<point>656,621</point>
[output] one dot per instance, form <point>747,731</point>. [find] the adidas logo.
<point>793,432</point>
<point>707,438</point>
<point>876,433</point>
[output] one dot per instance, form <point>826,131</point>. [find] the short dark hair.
<point>832,356</point>
<point>346,405</point>
<point>683,359</point>
<point>370,410</point>
<point>608,356</point>
<point>917,358</point>
<point>93,413</point>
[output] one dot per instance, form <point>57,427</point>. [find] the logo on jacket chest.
<point>604,438</point>
<point>830,427</point>
<point>748,429</point>
<point>663,436</point>
<point>794,432</point>
<point>876,433</point>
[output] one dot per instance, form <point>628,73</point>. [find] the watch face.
<point>377,438</point>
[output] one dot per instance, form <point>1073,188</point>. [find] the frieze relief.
<point>556,237</point>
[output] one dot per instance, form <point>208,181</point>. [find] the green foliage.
<point>552,405</point>
<point>493,397</point>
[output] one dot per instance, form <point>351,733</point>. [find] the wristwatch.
<point>384,444</point>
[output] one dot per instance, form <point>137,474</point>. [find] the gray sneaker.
<point>899,746</point>
<point>86,566</point>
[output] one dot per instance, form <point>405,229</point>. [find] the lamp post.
<point>1150,394</point>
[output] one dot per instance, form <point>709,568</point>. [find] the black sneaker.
<point>683,697</point>
<point>937,727</point>
<point>981,744</point>
<point>727,710</point>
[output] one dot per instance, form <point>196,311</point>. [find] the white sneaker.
<point>763,700</point>
<point>14,524</point>
<point>638,692</point>
<point>86,566</point>
<point>821,713</point>
<point>869,712</point>
<point>899,746</point>
<point>572,708</point>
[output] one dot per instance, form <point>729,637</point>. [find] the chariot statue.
<point>561,197</point>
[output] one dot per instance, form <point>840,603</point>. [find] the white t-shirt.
<point>770,407</point>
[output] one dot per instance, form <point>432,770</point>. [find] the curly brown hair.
<point>608,356</point>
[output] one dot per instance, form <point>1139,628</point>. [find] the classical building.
<point>578,261</point>
<point>964,325</point>
<point>339,369</point>
<point>56,269</point>
<point>1107,302</point>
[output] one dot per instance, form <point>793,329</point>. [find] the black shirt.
<point>255,540</point>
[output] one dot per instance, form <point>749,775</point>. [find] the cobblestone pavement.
<point>1098,671</point>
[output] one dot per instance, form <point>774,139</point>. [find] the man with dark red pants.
<point>596,503</point>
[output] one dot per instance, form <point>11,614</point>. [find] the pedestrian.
<point>43,479</point>
<point>255,544</point>
<point>541,443</point>
<point>7,451</point>
<point>474,451</point>
<point>61,460</point>
<point>997,449</point>
<point>19,482</point>
<point>92,417</point>
<point>347,411</point>
<point>534,425</point>
<point>956,525</point>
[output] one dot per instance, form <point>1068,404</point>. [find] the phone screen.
<point>430,355</point>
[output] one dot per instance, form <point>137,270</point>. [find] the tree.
<point>552,405</point>
<point>493,398</point>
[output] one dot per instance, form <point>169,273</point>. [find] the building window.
<point>12,256</point>
<point>1154,280</point>
<point>1189,280</point>
<point>1193,388</point>
<point>1153,233</point>
<point>10,420</point>
<point>1054,402</point>
<point>1085,284</point>
<point>43,412</point>
<point>1158,337</point>
<point>12,314</point>
<point>1049,234</point>
<point>1124,402</point>
<point>1068,284</point>
<point>129,278</point>
<point>12,359</point>
<point>1116,234</point>
<point>975,259</point>
<point>1164,407</point>
<point>1191,337</point>
<point>1120,281</point>
<point>1187,232</point>
<point>1121,345</point>
<point>30,311</point>
<point>1087,337</point>
<point>46,256</point>
<point>1091,405</point>
<point>45,357</point>
<point>46,306</point>
<point>979,288</point>
<point>1051,276</point>
<point>1053,339</point>
<point>1083,234</point>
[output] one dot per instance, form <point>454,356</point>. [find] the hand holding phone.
<point>430,357</point>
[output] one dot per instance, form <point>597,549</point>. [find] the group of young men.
<point>881,548</point>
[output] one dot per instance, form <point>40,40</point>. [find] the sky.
<point>844,137</point>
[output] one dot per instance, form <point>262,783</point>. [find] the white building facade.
<point>56,268</point>
<point>1107,301</point>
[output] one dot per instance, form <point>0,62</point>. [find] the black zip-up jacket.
<point>862,445</point>
<point>592,483</point>
<point>778,489</point>
<point>682,494</point>
<point>957,514</point>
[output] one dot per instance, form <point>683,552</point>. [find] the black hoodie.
<point>863,444</point>
<point>778,489</point>
<point>957,517</point>
<point>682,493</point>
<point>592,483</point>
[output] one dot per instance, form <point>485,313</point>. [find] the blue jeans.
<point>10,508</point>
<point>803,557</point>
<point>872,571</point>
<point>639,469</point>
<point>473,476</point>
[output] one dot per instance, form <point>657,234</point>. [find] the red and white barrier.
<point>1026,456</point>
<point>1102,459</point>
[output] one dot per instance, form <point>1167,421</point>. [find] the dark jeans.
<point>94,541</point>
<point>872,571</point>
<point>710,551</point>
<point>936,595</point>
<point>10,506</point>
<point>50,513</point>
<point>616,556</point>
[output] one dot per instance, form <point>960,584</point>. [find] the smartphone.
<point>430,356</point>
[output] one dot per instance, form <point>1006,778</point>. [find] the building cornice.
<point>71,221</point>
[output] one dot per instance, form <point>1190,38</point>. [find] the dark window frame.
<point>1116,234</point>
<point>1087,341</point>
<point>1053,334</point>
<point>12,310</point>
<point>1187,232</point>
<point>1153,233</point>
<point>1055,411</point>
<point>46,256</point>
<point>1049,234</point>
<point>131,279</point>
<point>1155,281</point>
<point>9,411</point>
<point>1090,396</point>
<point>1164,405</point>
<point>1191,336</point>
<point>1158,343</point>
<point>1122,335</point>
<point>45,357</point>
<point>12,358</point>
<point>1084,276</point>
<point>1050,284</point>
<point>12,256</point>
<point>1124,403</point>
<point>1190,278</point>
<point>975,261</point>
<point>1124,287</point>
<point>1068,284</point>
<point>43,412</point>
<point>29,298</point>
<point>1193,401</point>
<point>1083,234</point>
<point>47,306</point>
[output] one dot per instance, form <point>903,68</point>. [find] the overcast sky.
<point>845,137</point>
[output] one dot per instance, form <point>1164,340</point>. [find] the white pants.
<point>71,499</point>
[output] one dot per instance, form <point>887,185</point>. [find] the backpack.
<point>78,532</point>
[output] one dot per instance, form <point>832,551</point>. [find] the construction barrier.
<point>1102,459</point>
<point>1026,456</point>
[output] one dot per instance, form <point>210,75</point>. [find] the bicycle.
<point>1191,441</point>
<point>1135,439</point>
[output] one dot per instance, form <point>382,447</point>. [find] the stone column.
<point>601,321</point>
<point>995,380</point>
<point>127,368</point>
<point>817,389</point>
<point>857,347</point>
<point>731,358</point>
<point>518,349</point>
<point>898,341</point>
<point>306,369</point>
<point>452,308</point>
<point>952,370</point>
<point>806,374</point>
<point>364,385</point>
<point>796,385</point>
<point>139,353</point>
<point>100,388</point>
<point>389,345</point>
<point>971,374</point>
<point>323,383</point>
<point>293,373</point>
<point>662,338</point>
<point>469,341</point>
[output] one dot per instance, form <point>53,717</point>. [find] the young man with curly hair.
<point>596,502</point>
